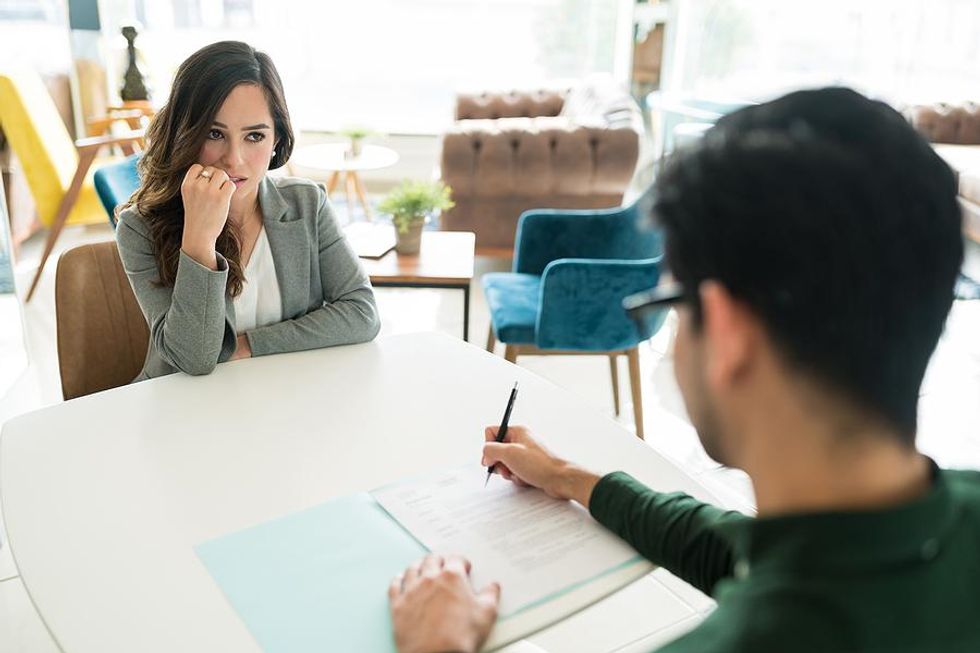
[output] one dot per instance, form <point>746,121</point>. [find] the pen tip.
<point>515,385</point>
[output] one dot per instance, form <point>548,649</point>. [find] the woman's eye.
<point>255,137</point>
<point>214,134</point>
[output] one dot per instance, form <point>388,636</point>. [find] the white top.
<point>102,514</point>
<point>260,303</point>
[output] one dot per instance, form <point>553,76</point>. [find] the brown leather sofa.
<point>510,152</point>
<point>955,131</point>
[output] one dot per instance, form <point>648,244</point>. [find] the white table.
<point>105,496</point>
<point>336,158</point>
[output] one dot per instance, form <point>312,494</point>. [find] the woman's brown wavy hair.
<point>177,133</point>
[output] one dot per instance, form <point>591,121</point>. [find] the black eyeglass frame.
<point>639,305</point>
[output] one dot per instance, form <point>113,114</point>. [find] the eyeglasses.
<point>647,307</point>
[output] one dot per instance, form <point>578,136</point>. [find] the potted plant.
<point>410,205</point>
<point>356,134</point>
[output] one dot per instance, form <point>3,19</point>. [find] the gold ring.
<point>205,174</point>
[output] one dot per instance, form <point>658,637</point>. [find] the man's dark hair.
<point>837,224</point>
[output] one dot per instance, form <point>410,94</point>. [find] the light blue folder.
<point>315,580</point>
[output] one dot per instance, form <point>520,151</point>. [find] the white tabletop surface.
<point>335,156</point>
<point>105,496</point>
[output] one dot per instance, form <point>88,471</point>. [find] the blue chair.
<point>571,271</point>
<point>115,184</point>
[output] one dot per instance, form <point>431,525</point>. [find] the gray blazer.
<point>326,296</point>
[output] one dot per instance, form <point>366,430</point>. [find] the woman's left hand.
<point>242,349</point>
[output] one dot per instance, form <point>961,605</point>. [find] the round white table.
<point>337,159</point>
<point>104,497</point>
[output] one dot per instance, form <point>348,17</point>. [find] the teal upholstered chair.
<point>115,183</point>
<point>571,272</point>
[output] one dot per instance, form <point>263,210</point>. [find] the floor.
<point>949,409</point>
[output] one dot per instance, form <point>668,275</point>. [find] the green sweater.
<point>897,581</point>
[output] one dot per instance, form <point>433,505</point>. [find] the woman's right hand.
<point>207,193</point>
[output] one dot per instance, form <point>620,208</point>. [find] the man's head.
<point>817,238</point>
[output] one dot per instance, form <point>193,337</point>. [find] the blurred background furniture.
<point>102,334</point>
<point>337,159</point>
<point>571,272</point>
<point>116,182</point>
<point>57,170</point>
<point>134,115</point>
<point>955,131</point>
<point>511,152</point>
<point>445,260</point>
<point>682,119</point>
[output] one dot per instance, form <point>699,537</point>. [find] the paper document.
<point>536,547</point>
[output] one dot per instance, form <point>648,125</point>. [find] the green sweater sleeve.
<point>675,530</point>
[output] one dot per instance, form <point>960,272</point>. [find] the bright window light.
<point>391,65</point>
<point>906,51</point>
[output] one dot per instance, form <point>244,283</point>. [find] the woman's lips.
<point>238,181</point>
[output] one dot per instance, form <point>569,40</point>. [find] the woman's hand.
<point>243,348</point>
<point>434,608</point>
<point>519,458</point>
<point>206,192</point>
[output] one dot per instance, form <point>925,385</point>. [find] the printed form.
<point>536,547</point>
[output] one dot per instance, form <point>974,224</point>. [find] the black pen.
<point>502,431</point>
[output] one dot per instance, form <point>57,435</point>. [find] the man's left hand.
<point>434,608</point>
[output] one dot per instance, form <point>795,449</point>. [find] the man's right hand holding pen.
<point>519,458</point>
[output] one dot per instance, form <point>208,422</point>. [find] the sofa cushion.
<point>514,301</point>
<point>599,101</point>
<point>502,125</point>
<point>943,123</point>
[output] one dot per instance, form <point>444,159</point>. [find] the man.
<point>815,241</point>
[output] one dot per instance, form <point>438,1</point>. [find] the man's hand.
<point>519,458</point>
<point>434,608</point>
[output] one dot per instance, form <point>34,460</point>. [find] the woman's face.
<point>241,142</point>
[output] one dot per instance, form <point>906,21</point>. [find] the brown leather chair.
<point>102,334</point>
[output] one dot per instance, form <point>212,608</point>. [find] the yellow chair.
<point>57,170</point>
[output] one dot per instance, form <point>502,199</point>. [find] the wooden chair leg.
<point>332,183</point>
<point>349,190</point>
<point>614,373</point>
<point>362,195</point>
<point>633,356</point>
<point>491,340</point>
<point>85,159</point>
<point>510,353</point>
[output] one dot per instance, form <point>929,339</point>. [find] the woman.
<point>227,262</point>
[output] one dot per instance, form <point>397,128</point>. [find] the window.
<point>391,65</point>
<point>26,23</point>
<point>906,51</point>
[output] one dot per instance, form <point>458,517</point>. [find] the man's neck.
<point>809,465</point>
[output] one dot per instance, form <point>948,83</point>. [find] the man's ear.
<point>729,335</point>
